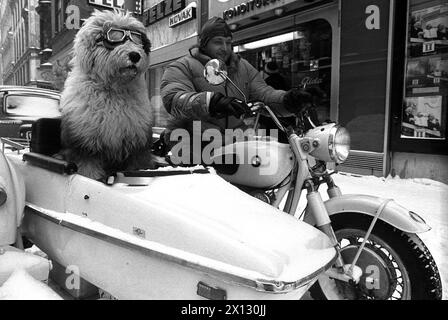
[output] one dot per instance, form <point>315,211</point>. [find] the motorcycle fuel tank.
<point>260,163</point>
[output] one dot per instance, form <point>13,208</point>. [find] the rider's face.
<point>219,48</point>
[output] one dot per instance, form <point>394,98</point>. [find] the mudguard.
<point>393,213</point>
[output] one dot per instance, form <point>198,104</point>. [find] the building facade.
<point>61,20</point>
<point>20,45</point>
<point>66,18</point>
<point>172,27</point>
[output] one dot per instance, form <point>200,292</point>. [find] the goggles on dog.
<point>117,36</point>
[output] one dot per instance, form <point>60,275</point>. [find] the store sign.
<point>132,5</point>
<point>113,4</point>
<point>237,10</point>
<point>183,16</point>
<point>161,10</point>
<point>311,81</point>
<point>246,7</point>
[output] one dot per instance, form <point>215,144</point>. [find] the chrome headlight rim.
<point>332,146</point>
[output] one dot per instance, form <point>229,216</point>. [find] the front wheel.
<point>396,265</point>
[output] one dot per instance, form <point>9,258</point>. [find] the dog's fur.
<point>106,113</point>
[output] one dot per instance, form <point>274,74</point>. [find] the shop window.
<point>300,58</point>
<point>424,109</point>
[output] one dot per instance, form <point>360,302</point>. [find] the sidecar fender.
<point>393,213</point>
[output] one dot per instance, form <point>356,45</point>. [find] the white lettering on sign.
<point>309,81</point>
<point>373,20</point>
<point>183,16</point>
<point>73,17</point>
<point>135,5</point>
<point>108,3</point>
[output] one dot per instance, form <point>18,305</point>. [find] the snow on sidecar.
<point>22,274</point>
<point>168,233</point>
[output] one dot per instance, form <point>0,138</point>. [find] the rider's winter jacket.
<point>186,94</point>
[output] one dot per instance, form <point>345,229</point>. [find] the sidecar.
<point>169,233</point>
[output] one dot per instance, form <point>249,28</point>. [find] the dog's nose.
<point>134,57</point>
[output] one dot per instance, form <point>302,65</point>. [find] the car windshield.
<point>32,106</point>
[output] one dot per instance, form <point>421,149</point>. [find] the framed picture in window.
<point>422,118</point>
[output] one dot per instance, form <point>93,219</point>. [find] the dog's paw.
<point>143,161</point>
<point>59,156</point>
<point>91,169</point>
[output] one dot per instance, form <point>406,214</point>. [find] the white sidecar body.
<point>177,235</point>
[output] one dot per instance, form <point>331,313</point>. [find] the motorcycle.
<point>187,233</point>
<point>168,233</point>
<point>380,255</point>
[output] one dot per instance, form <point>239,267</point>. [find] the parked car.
<point>20,106</point>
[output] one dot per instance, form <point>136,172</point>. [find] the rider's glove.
<point>296,99</point>
<point>221,106</point>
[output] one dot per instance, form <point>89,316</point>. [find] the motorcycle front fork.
<point>342,271</point>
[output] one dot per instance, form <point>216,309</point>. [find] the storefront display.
<point>424,111</point>
<point>302,56</point>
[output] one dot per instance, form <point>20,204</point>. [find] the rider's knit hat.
<point>214,27</point>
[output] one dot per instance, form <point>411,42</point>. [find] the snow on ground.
<point>22,286</point>
<point>426,197</point>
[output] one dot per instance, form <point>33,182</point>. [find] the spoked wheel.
<point>395,265</point>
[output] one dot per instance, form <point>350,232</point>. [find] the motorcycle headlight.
<point>339,144</point>
<point>330,143</point>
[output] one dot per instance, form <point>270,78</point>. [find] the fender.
<point>393,213</point>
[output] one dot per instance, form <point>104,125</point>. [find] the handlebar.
<point>258,108</point>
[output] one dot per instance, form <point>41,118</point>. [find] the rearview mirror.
<point>214,72</point>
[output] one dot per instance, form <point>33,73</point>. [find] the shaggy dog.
<point>106,113</point>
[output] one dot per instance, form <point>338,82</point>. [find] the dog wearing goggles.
<point>106,113</point>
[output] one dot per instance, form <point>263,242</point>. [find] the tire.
<point>402,259</point>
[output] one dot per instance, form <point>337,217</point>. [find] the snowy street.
<point>426,197</point>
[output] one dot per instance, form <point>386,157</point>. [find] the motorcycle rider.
<point>187,96</point>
